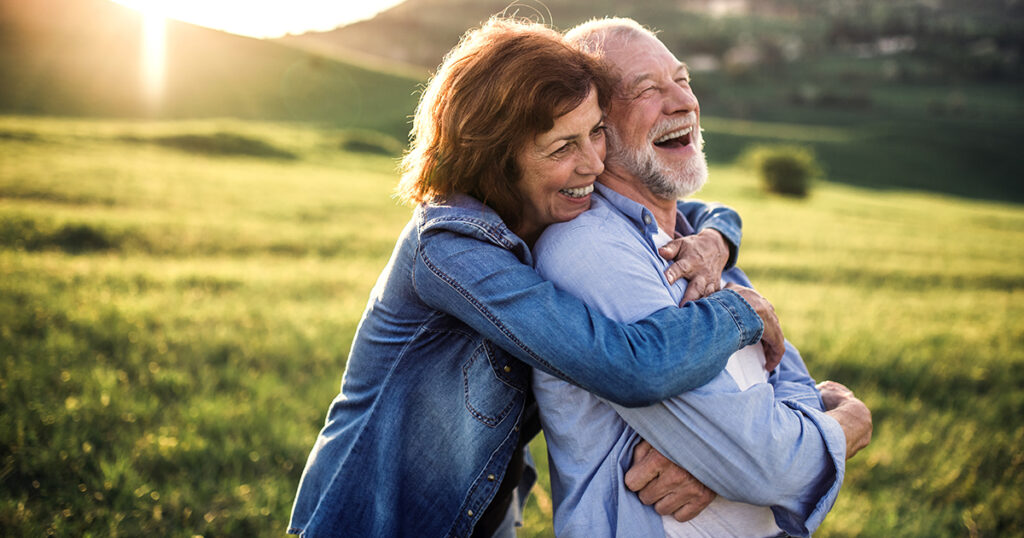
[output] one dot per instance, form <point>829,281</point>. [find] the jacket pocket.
<point>493,382</point>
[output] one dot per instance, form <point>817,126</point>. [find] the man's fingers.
<point>684,505</point>
<point>680,269</point>
<point>671,249</point>
<point>694,290</point>
<point>643,469</point>
<point>689,511</point>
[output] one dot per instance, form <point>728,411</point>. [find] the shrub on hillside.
<point>784,169</point>
<point>362,141</point>
<point>218,144</point>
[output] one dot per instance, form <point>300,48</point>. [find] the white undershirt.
<point>724,517</point>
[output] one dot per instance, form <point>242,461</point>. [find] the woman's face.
<point>559,168</point>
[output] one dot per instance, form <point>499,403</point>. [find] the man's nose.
<point>680,98</point>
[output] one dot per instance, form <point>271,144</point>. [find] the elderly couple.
<point>545,268</point>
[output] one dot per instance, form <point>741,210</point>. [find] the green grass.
<point>173,325</point>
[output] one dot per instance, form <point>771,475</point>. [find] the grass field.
<point>177,301</point>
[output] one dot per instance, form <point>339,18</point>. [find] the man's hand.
<point>670,488</point>
<point>771,339</point>
<point>698,258</point>
<point>850,412</point>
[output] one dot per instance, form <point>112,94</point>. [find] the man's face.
<point>653,121</point>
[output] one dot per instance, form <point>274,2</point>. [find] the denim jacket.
<point>432,400</point>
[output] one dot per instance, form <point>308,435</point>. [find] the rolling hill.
<point>922,95</point>
<point>83,58</point>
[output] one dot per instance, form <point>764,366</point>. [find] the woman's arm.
<point>669,352</point>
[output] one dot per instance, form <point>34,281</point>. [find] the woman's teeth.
<point>578,192</point>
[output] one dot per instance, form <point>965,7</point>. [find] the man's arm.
<point>748,446</point>
<point>744,445</point>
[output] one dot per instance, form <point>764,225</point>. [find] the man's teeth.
<point>578,192</point>
<point>674,134</point>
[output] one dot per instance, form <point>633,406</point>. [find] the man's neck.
<point>625,184</point>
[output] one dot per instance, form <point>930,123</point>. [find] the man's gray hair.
<point>591,36</point>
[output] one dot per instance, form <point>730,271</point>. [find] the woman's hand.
<point>772,341</point>
<point>851,413</point>
<point>671,489</point>
<point>700,259</point>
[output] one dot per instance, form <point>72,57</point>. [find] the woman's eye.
<point>561,150</point>
<point>598,131</point>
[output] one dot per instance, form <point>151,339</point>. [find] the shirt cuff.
<point>746,318</point>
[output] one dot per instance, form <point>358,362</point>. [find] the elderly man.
<point>771,446</point>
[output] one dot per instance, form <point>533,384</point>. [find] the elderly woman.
<point>426,436</point>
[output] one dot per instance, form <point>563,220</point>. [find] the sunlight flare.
<point>154,57</point>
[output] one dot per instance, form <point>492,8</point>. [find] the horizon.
<point>266,19</point>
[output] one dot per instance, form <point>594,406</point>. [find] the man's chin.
<point>690,177</point>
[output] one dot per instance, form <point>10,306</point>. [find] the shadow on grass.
<point>73,238</point>
<point>217,144</point>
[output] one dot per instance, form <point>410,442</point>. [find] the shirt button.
<point>490,478</point>
<point>647,218</point>
<point>508,368</point>
<point>469,513</point>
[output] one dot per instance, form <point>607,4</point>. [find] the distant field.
<point>177,301</point>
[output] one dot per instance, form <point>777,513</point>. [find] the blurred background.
<point>192,215</point>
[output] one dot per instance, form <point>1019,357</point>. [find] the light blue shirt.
<point>768,445</point>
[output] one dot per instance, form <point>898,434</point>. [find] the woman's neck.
<point>529,233</point>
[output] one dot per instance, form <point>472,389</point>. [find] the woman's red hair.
<point>503,84</point>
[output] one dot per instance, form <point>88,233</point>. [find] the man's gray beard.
<point>663,181</point>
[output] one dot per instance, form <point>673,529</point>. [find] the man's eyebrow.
<point>638,79</point>
<point>681,68</point>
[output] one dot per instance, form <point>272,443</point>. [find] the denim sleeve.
<point>727,221</point>
<point>633,364</point>
<point>748,446</point>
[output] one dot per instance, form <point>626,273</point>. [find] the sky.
<point>264,18</point>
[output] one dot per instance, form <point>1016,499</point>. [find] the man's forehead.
<point>641,57</point>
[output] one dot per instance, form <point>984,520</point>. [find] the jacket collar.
<point>466,215</point>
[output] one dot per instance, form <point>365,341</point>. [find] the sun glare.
<point>264,18</point>
<point>154,56</point>
<point>253,18</point>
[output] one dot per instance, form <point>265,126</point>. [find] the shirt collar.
<point>639,215</point>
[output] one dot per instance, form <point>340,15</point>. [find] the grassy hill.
<point>174,323</point>
<point>931,91</point>
<point>83,58</point>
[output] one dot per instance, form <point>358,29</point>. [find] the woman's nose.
<point>592,163</point>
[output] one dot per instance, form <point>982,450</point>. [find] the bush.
<point>218,144</point>
<point>787,170</point>
<point>362,141</point>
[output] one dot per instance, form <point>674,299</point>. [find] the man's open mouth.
<point>675,139</point>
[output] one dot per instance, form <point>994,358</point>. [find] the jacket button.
<point>508,368</point>
<point>490,478</point>
<point>469,513</point>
